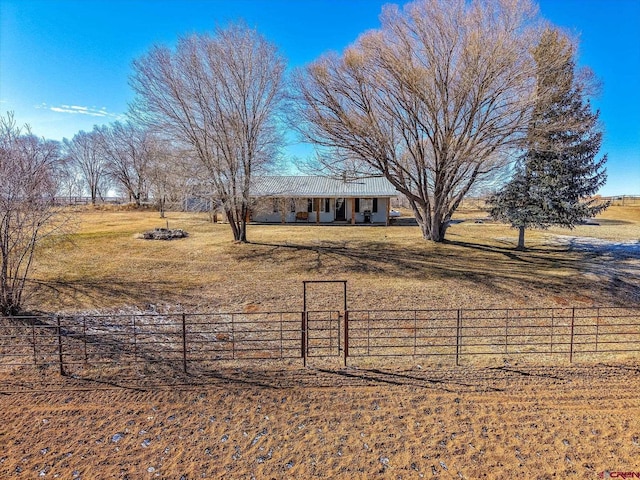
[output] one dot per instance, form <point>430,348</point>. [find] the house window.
<point>276,205</point>
<point>327,205</point>
<point>292,205</point>
<point>309,205</point>
<point>375,205</point>
<point>357,205</point>
<point>366,204</point>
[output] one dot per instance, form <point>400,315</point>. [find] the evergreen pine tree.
<point>558,172</point>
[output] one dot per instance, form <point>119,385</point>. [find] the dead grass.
<point>510,420</point>
<point>105,266</point>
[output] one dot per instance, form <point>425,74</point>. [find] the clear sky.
<point>64,64</point>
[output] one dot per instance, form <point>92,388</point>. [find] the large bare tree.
<point>434,100</point>
<point>128,149</point>
<point>85,154</point>
<point>218,95</point>
<point>28,169</point>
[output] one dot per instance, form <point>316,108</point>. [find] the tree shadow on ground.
<point>108,292</point>
<point>554,269</point>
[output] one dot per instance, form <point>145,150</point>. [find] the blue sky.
<point>64,64</point>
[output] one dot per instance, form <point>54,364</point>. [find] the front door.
<point>341,209</point>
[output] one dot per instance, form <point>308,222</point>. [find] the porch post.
<point>316,201</point>
<point>353,211</point>
<point>388,210</point>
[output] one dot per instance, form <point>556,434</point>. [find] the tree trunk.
<point>238,226</point>
<point>431,226</point>
<point>521,238</point>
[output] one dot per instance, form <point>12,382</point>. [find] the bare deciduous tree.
<point>218,95</point>
<point>172,175</point>
<point>434,100</point>
<point>28,169</point>
<point>127,149</point>
<point>85,153</point>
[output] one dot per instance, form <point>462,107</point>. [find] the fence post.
<point>33,334</point>
<point>135,343</point>
<point>339,330</point>
<point>458,335</point>
<point>303,339</point>
<point>346,336</point>
<point>506,333</point>
<point>184,342</point>
<point>415,332</point>
<point>59,334</point>
<point>84,337</point>
<point>573,316</point>
<point>597,327</point>
<point>552,327</point>
<point>233,337</point>
<point>281,339</point>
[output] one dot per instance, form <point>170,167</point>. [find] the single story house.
<point>316,199</point>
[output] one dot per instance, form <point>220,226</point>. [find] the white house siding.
<point>282,190</point>
<point>263,212</point>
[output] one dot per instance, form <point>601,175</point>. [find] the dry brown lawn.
<point>105,266</point>
<point>277,421</point>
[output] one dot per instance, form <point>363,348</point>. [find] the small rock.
<point>258,436</point>
<point>151,469</point>
<point>442,464</point>
<point>224,438</point>
<point>146,443</point>
<point>289,464</point>
<point>384,460</point>
<point>117,437</point>
<point>565,441</point>
<point>266,457</point>
<point>44,451</point>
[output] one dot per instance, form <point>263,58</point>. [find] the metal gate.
<point>322,335</point>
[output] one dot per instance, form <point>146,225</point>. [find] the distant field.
<point>105,266</point>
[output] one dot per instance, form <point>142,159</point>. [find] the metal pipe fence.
<point>196,341</point>
<point>494,332</point>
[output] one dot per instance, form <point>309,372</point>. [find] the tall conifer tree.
<point>558,172</point>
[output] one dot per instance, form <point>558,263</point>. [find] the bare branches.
<point>86,156</point>
<point>127,149</point>
<point>28,168</point>
<point>434,100</point>
<point>219,97</point>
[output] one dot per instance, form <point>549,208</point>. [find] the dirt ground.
<point>511,421</point>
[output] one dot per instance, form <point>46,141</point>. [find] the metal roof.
<point>316,186</point>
